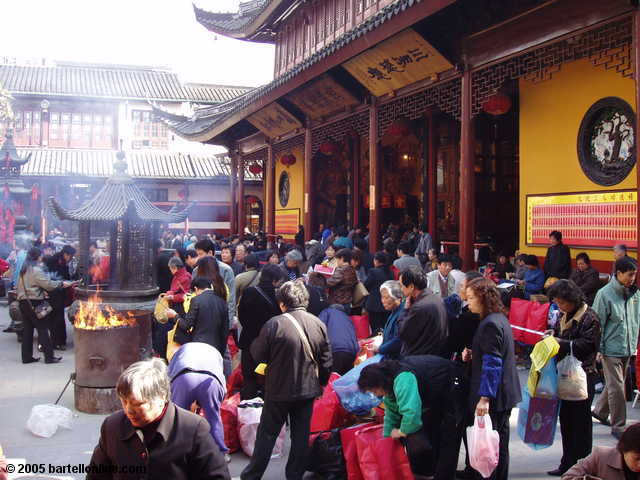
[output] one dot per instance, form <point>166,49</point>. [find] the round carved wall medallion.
<point>284,189</point>
<point>607,141</point>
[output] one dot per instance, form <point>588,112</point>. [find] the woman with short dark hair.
<point>494,386</point>
<point>577,332</point>
<point>621,462</point>
<point>586,277</point>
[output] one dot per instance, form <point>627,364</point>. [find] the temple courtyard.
<point>23,386</point>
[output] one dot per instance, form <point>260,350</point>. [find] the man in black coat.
<point>295,347</point>
<point>423,325</point>
<point>558,261</point>
<point>207,320</point>
<point>151,437</point>
<point>257,306</point>
<point>58,267</point>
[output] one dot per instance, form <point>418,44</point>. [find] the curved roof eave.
<point>237,26</point>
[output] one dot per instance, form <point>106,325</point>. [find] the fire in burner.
<point>93,314</point>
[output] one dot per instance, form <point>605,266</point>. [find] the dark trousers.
<point>377,320</point>
<point>576,428</point>
<point>433,450</point>
<point>500,422</point>
<point>342,362</point>
<point>251,381</point>
<point>29,322</point>
<point>159,339</point>
<point>274,415</point>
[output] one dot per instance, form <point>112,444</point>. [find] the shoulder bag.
<point>40,311</point>
<point>305,341</point>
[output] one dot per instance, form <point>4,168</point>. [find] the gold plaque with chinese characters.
<point>274,120</point>
<point>395,63</point>
<point>322,97</point>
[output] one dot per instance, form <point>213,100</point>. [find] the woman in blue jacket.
<point>533,277</point>
<point>392,301</point>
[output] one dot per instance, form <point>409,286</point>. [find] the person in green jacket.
<point>617,305</point>
<point>420,410</point>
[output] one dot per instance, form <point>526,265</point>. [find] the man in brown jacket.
<point>151,437</point>
<point>296,350</point>
<point>343,280</point>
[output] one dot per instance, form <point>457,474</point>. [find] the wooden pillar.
<point>432,180</point>
<point>308,186</point>
<point>354,139</point>
<point>374,179</point>
<point>84,233</point>
<point>467,176</point>
<point>233,225</point>
<point>636,53</point>
<point>271,191</point>
<point>242,218</point>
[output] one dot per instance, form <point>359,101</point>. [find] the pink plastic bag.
<point>484,446</point>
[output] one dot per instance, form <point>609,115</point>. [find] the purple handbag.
<point>541,420</point>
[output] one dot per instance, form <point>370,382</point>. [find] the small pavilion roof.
<point>119,195</point>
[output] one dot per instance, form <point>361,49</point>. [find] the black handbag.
<point>182,336</point>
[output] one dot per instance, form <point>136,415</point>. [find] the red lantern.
<point>400,128</point>
<point>288,160</point>
<point>255,169</point>
<point>400,201</point>
<point>182,194</point>
<point>497,104</point>
<point>328,148</point>
<point>386,200</point>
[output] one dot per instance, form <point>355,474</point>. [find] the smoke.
<point>24,239</point>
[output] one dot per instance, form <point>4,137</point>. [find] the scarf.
<point>566,322</point>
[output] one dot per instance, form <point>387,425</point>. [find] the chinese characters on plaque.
<point>598,219</point>
<point>402,60</point>
<point>274,121</point>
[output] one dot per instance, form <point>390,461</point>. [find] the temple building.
<point>485,119</point>
<point>71,119</point>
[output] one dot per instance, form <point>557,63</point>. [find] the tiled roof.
<point>229,23</point>
<point>118,197</point>
<point>143,164</point>
<point>109,81</point>
<point>207,118</point>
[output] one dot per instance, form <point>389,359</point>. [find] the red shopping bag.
<point>381,458</point>
<point>518,314</point>
<point>350,450</point>
<point>229,414</point>
<point>328,412</point>
<point>234,382</point>
<point>537,319</point>
<point>361,324</point>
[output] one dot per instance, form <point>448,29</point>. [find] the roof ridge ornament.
<point>120,169</point>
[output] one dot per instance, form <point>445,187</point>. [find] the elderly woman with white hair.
<point>392,300</point>
<point>152,437</point>
<point>291,264</point>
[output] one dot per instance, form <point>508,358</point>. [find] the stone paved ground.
<point>22,386</point>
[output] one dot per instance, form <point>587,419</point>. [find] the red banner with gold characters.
<point>592,219</point>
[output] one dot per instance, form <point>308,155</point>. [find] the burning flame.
<point>94,315</point>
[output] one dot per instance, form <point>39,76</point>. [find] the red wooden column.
<point>467,176</point>
<point>354,138</point>
<point>308,186</point>
<point>636,53</point>
<point>233,224</point>
<point>432,176</point>
<point>270,194</point>
<point>242,218</point>
<point>374,179</point>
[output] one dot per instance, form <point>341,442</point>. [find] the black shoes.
<point>53,360</point>
<point>555,473</point>
<point>32,360</point>
<point>9,329</point>
<point>602,420</point>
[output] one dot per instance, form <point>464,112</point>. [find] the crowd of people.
<point>449,352</point>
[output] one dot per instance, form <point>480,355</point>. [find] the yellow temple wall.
<point>296,196</point>
<point>550,117</point>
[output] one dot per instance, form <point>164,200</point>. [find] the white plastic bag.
<point>572,379</point>
<point>44,420</point>
<point>484,446</point>
<point>249,412</point>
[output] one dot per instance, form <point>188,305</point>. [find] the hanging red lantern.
<point>328,148</point>
<point>255,169</point>
<point>288,160</point>
<point>497,104</point>
<point>400,201</point>
<point>400,128</point>
<point>182,194</point>
<point>251,199</point>
<point>386,200</point>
